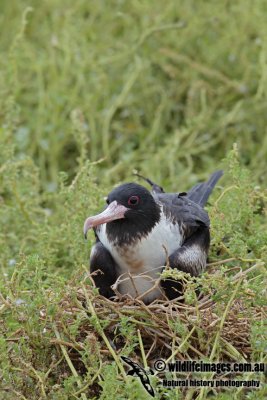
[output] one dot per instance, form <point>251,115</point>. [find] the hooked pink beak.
<point>112,212</point>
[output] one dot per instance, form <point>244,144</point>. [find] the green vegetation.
<point>89,92</point>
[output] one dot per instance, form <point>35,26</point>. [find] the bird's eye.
<point>133,200</point>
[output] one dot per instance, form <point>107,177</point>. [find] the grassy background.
<point>162,88</point>
<point>140,81</point>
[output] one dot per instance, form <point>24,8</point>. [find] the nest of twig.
<point>164,329</point>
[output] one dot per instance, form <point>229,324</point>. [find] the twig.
<point>69,362</point>
<point>221,262</point>
<point>242,274</point>
<point>142,348</point>
<point>203,390</point>
<point>102,333</point>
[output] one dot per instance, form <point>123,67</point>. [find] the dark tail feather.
<point>201,192</point>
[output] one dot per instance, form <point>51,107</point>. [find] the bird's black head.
<point>131,213</point>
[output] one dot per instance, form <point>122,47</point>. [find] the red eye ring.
<point>133,200</point>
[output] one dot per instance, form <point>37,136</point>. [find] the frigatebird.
<point>139,232</point>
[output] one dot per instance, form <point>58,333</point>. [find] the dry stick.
<point>248,260</point>
<point>159,333</point>
<point>233,269</point>
<point>238,276</point>
<point>132,281</point>
<point>155,286</point>
<point>37,376</point>
<point>16,339</point>
<point>152,347</point>
<point>4,301</point>
<point>53,365</point>
<point>91,381</point>
<point>165,333</point>
<point>17,332</point>
<point>179,348</point>
<point>171,337</point>
<point>221,262</point>
<point>65,330</point>
<point>153,316</point>
<point>102,333</point>
<point>223,319</point>
<point>181,345</point>
<point>117,282</point>
<point>247,271</point>
<point>67,344</point>
<point>18,394</point>
<point>203,390</point>
<point>69,362</point>
<point>142,348</point>
<point>233,351</point>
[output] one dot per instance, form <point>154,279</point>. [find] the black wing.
<point>183,210</point>
<point>103,268</point>
<point>187,208</point>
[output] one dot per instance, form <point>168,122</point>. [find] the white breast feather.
<point>149,249</point>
